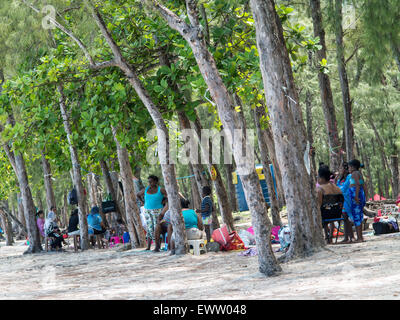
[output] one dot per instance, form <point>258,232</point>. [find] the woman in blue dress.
<point>343,182</point>
<point>357,196</point>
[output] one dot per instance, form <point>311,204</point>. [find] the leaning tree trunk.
<point>288,130</point>
<point>48,184</point>
<point>344,83</point>
<point>76,170</point>
<point>20,208</point>
<point>276,219</point>
<point>168,169</point>
<point>133,221</point>
<point>325,89</point>
<point>233,125</point>
<point>19,224</point>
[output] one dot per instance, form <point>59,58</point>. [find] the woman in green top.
<point>193,225</point>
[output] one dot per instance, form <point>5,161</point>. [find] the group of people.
<point>48,227</point>
<point>157,217</point>
<point>350,183</point>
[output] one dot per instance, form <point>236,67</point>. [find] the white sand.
<point>369,270</point>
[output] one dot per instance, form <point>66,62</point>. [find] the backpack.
<point>72,197</point>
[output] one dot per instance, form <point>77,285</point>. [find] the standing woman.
<point>357,197</point>
<point>154,198</point>
<point>343,182</point>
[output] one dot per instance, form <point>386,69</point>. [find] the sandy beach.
<point>369,270</point>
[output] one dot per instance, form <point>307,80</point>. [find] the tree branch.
<point>171,18</point>
<point>68,32</point>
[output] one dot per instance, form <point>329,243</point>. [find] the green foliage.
<point>35,61</point>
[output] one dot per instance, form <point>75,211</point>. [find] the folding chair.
<point>331,211</point>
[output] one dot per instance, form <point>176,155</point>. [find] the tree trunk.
<point>224,205</point>
<point>220,190</point>
<point>378,174</point>
<point>168,169</point>
<point>288,130</point>
<point>276,219</point>
<point>39,201</point>
<point>229,168</point>
<point>21,227</point>
<point>230,121</point>
<point>394,166</point>
<point>325,89</point>
<point>21,214</point>
<point>369,183</point>
<point>111,190</point>
<point>277,171</point>
<point>119,193</point>
<point>65,210</point>
<point>29,210</point>
<point>35,245</point>
<point>6,223</point>
<point>95,198</point>
<point>310,130</point>
<point>386,177</point>
<point>133,221</point>
<point>195,191</point>
<point>138,183</point>
<point>76,170</point>
<point>344,83</point>
<point>48,184</point>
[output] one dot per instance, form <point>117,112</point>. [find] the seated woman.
<point>324,189</point>
<point>163,222</point>
<point>73,224</point>
<point>53,231</point>
<point>193,226</point>
<point>95,223</point>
